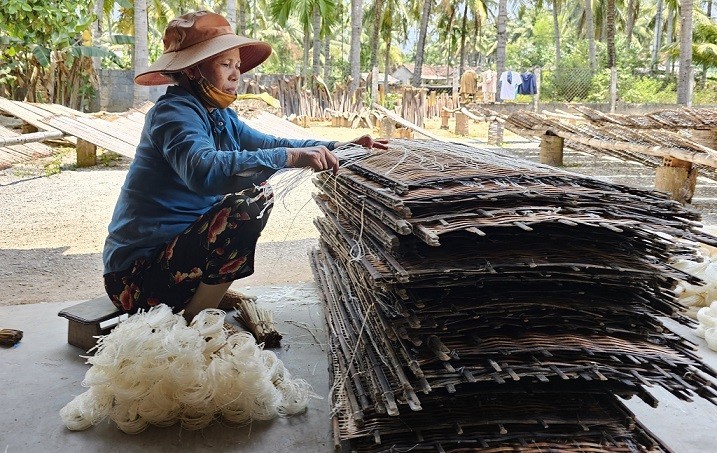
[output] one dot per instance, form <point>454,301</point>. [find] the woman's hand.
<point>367,142</point>
<point>318,158</point>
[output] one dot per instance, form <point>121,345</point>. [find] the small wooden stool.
<point>85,319</point>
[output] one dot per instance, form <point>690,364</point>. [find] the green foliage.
<point>646,89</point>
<point>569,85</point>
<point>108,158</point>
<point>55,165</point>
<point>706,95</point>
<point>391,100</point>
<point>46,39</point>
<point>54,24</point>
<point>533,43</point>
<point>577,85</point>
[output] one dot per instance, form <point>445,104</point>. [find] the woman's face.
<point>222,71</point>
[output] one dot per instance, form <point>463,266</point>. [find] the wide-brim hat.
<point>198,36</point>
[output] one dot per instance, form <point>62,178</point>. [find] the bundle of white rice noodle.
<point>707,329</point>
<point>153,369</point>
<point>695,296</point>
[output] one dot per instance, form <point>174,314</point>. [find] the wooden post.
<point>461,124</point>
<point>495,133</point>
<point>431,104</point>
<point>677,178</point>
<point>86,153</point>
<point>387,127</point>
<point>374,84</point>
<point>551,150</point>
<point>445,114</point>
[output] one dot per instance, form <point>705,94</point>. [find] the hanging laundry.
<point>509,82</point>
<point>468,82</point>
<point>489,84</point>
<point>528,86</point>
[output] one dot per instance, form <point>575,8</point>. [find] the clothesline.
<point>486,82</point>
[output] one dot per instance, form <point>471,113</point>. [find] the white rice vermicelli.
<point>153,369</point>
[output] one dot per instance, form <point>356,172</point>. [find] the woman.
<point>195,199</point>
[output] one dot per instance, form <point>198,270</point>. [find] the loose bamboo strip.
<point>659,151</point>
<point>259,321</point>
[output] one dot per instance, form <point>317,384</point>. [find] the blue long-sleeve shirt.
<point>186,161</point>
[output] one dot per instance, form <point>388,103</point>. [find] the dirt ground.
<point>54,218</point>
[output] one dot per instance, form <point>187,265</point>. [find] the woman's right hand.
<point>318,158</point>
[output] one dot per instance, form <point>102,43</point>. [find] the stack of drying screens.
<point>475,301</point>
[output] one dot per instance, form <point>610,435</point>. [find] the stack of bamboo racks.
<point>475,301</point>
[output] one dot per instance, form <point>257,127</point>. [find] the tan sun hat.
<point>195,37</point>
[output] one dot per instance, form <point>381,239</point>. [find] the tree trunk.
<point>241,30</point>
<point>630,23</point>
<point>502,38</point>
<point>668,37</point>
<point>421,44</point>
<point>97,33</point>
<point>387,65</point>
<point>97,61</point>
<point>374,44</point>
<point>355,51</point>
<point>317,42</point>
<point>590,26</point>
<point>463,40</point>
<point>610,38</point>
<point>232,13</point>
<point>556,30</point>
<point>683,78</point>
<point>657,41</point>
<point>327,58</point>
<point>610,33</point>
<point>477,35</point>
<point>307,46</point>
<point>141,52</point>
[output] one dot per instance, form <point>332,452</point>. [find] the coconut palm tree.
<point>375,12</point>
<point>590,32</point>
<point>610,35</point>
<point>502,37</point>
<point>556,29</point>
<point>394,25</point>
<point>420,45</point>
<point>355,50</point>
<point>630,16</point>
<point>473,14</point>
<point>658,34</point>
<point>684,75</point>
<point>282,10</point>
<point>141,49</point>
<point>231,13</point>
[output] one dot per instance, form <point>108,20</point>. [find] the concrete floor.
<point>43,373</point>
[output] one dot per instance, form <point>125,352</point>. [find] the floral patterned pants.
<point>217,248</point>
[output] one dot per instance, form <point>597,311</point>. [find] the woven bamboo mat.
<point>471,297</point>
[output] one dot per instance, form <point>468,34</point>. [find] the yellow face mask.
<point>211,95</point>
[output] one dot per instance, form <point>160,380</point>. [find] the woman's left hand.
<point>367,142</point>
